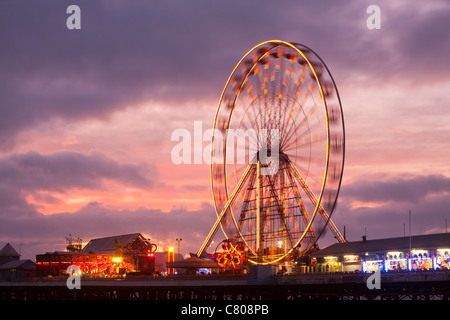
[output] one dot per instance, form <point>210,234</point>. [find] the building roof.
<point>193,262</point>
<point>430,241</point>
<point>18,264</point>
<point>9,251</point>
<point>108,244</point>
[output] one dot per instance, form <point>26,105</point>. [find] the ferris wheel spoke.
<point>280,210</point>
<point>234,171</point>
<point>311,134</point>
<point>303,142</point>
<point>291,126</point>
<point>308,173</point>
<point>289,134</point>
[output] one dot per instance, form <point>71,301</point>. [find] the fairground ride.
<point>277,155</point>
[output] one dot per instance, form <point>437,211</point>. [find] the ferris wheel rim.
<point>278,43</point>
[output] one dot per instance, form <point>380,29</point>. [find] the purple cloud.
<point>384,206</point>
<point>64,170</point>
<point>397,189</point>
<point>59,173</point>
<point>96,220</point>
<point>128,54</point>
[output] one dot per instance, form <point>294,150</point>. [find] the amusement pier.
<point>344,271</point>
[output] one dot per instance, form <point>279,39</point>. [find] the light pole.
<point>178,240</point>
<point>410,233</point>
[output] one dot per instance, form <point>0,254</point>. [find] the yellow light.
<point>419,251</point>
<point>331,259</point>
<point>171,258</point>
<point>116,259</point>
<point>394,253</point>
<point>351,258</point>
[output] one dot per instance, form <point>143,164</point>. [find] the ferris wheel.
<point>277,153</point>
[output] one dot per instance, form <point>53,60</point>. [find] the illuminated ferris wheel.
<point>277,153</point>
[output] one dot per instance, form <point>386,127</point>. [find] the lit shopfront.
<point>426,252</point>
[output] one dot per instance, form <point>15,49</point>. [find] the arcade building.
<point>101,257</point>
<point>431,252</point>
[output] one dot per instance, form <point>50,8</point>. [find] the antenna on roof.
<point>410,233</point>
<point>73,245</point>
<point>364,237</point>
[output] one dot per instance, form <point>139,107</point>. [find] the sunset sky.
<point>87,115</point>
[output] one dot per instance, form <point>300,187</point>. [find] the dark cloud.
<point>397,189</point>
<point>383,206</point>
<point>126,53</point>
<point>60,171</point>
<point>13,203</point>
<point>97,220</point>
<point>22,175</point>
<point>424,40</point>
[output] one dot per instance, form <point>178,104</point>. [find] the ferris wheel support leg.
<point>224,212</point>
<point>258,208</point>
<point>322,211</point>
